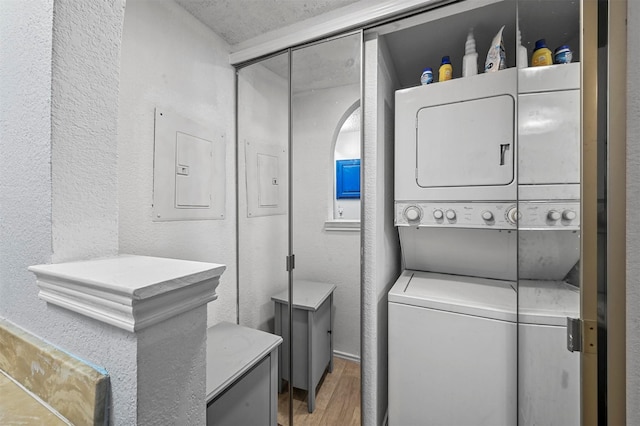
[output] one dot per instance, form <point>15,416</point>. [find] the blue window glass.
<point>347,179</point>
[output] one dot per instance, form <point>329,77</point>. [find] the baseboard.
<point>347,356</point>
<point>385,420</point>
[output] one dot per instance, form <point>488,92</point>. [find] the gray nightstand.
<point>312,335</point>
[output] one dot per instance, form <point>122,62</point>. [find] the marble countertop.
<point>19,407</point>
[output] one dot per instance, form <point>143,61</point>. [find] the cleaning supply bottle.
<point>427,76</point>
<point>522,56</point>
<point>446,70</point>
<point>470,58</point>
<point>562,55</point>
<point>541,55</point>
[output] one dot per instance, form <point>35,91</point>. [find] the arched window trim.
<point>332,223</point>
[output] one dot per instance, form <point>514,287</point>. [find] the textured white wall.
<point>263,117</point>
<point>332,257</point>
<point>83,128</point>
<point>25,151</point>
<point>171,60</point>
<point>381,246</point>
<point>170,392</point>
<point>26,133</point>
<point>633,217</point>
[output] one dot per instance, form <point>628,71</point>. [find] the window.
<point>347,179</point>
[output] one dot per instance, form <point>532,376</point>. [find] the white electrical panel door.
<point>469,143</point>
<point>268,180</point>
<point>189,175</point>
<point>194,158</point>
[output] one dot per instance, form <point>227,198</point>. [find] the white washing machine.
<point>452,351</point>
<point>466,351</point>
<point>548,374</point>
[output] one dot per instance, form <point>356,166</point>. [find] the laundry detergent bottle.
<point>541,55</point>
<point>446,70</point>
<point>427,76</point>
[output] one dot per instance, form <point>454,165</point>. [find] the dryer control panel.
<point>525,215</point>
<point>540,215</point>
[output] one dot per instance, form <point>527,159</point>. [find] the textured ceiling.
<point>239,20</point>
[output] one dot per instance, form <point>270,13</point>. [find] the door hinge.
<point>582,335</point>
<point>589,336</point>
<point>291,262</point>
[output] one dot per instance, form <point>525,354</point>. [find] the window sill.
<point>342,225</point>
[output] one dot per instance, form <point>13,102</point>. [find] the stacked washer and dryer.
<point>487,207</point>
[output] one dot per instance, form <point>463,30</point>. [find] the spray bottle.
<point>522,57</point>
<point>470,58</point>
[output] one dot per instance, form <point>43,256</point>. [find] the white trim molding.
<point>342,225</point>
<point>347,356</point>
<point>350,17</point>
<point>126,291</point>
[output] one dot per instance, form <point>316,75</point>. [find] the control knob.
<point>568,215</point>
<point>553,215</point>
<point>512,215</point>
<point>451,215</point>
<point>437,214</point>
<point>413,213</point>
<point>487,215</point>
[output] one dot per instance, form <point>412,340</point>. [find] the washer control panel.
<point>498,215</point>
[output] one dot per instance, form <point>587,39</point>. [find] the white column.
<point>158,303</point>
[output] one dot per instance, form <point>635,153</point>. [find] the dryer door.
<point>468,143</point>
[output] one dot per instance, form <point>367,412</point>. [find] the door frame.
<point>604,337</point>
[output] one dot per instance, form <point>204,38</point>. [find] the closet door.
<point>561,273</point>
<point>325,237</point>
<point>263,199</point>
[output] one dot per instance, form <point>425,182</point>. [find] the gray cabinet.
<point>312,335</point>
<point>241,376</point>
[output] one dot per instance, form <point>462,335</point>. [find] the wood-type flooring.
<point>337,399</point>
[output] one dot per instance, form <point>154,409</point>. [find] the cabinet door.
<point>468,143</point>
<point>321,340</point>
